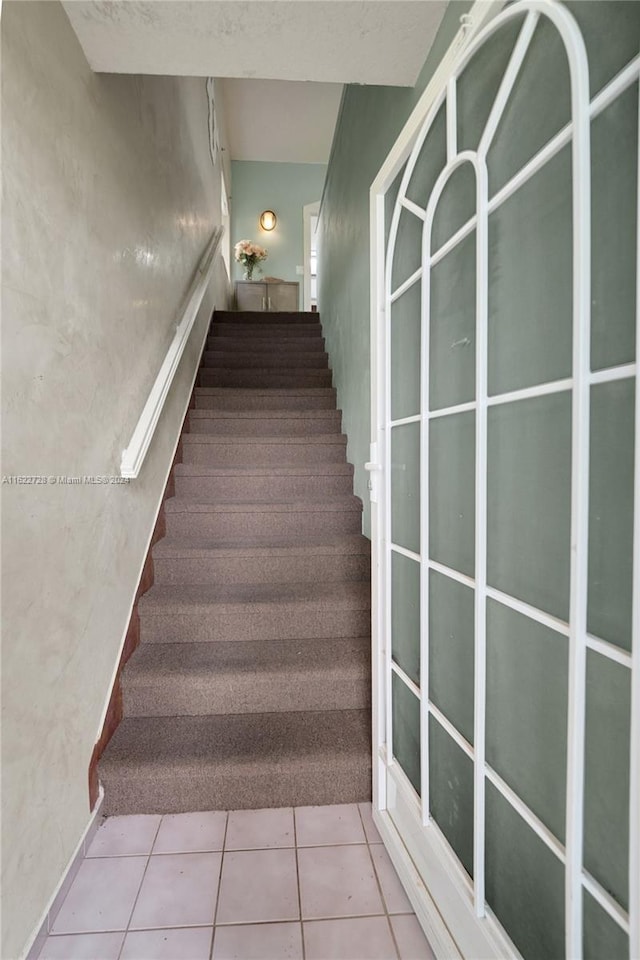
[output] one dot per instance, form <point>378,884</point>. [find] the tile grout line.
<point>382,896</point>
<point>292,846</point>
<point>234,923</point>
<point>295,841</point>
<point>144,873</point>
<point>215,909</point>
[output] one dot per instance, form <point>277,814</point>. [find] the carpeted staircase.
<point>251,685</point>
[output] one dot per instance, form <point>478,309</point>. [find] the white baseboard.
<point>429,917</point>
<point>36,941</point>
<point>438,891</point>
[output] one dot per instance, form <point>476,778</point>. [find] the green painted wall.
<point>284,188</point>
<point>370,121</point>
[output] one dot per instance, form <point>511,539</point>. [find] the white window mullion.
<point>387,482</point>
<point>409,282</point>
<point>480,597</point>
<point>581,196</point>
<point>453,732</point>
<point>607,902</point>
<point>634,798</point>
<point>508,80</point>
<point>425,327</point>
<point>452,120</point>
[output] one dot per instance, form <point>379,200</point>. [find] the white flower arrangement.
<point>249,254</point>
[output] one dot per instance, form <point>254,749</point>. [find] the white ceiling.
<point>329,41</point>
<point>302,51</point>
<point>280,120</point>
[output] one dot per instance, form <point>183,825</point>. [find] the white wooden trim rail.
<point>133,456</point>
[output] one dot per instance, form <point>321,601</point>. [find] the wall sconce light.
<point>268,220</point>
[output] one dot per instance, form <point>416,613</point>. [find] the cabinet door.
<point>283,296</point>
<point>251,295</point>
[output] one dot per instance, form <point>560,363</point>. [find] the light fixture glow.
<point>268,220</point>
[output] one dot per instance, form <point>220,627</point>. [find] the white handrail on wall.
<point>133,456</point>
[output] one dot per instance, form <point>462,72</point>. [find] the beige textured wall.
<point>109,197</point>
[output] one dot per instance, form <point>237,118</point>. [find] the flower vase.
<point>248,271</point>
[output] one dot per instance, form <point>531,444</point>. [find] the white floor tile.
<point>102,896</point>
<point>125,836</point>
<point>179,890</point>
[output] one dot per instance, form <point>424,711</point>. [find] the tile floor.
<point>309,882</point>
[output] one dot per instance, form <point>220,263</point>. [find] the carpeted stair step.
<point>269,611</point>
<point>279,398</point>
<point>241,451</point>
<point>196,679</point>
<point>321,559</point>
<point>219,360</point>
<point>263,377</point>
<point>186,517</point>
<point>264,318</point>
<point>263,484</point>
<point>266,344</point>
<point>249,761</point>
<point>265,422</point>
<point>260,330</point>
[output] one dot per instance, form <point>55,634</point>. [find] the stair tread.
<point>276,328</point>
<point>249,740</point>
<point>248,352</point>
<point>278,363</point>
<point>174,660</point>
<point>173,547</point>
<point>339,502</point>
<point>174,597</point>
<point>264,316</point>
<point>211,413</point>
<point>267,343</point>
<point>333,438</point>
<point>266,391</point>
<point>293,470</point>
<point>290,371</point>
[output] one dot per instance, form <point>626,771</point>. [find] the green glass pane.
<point>452,329</point>
<point>538,108</point>
<point>405,354</point>
<point>611,33</point>
<point>390,198</point>
<point>614,192</point>
<point>606,786</point>
<point>529,501</point>
<point>407,253</point>
<point>478,84</point>
<point>530,281</point>
<point>451,792</point>
<point>405,486</point>
<point>456,205</point>
<point>527,682</point>
<point>451,651</point>
<point>406,729</point>
<point>452,451</point>
<point>431,161</point>
<point>602,938</point>
<point>611,512</point>
<point>524,882</point>
<point>405,614</point>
